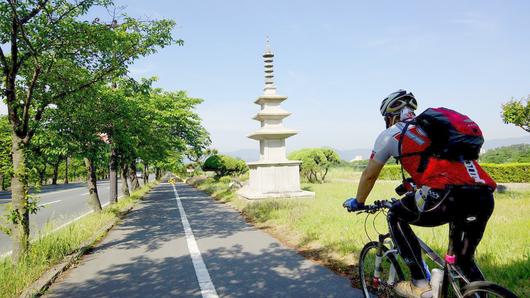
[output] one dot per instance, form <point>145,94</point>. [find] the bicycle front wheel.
<point>486,289</point>
<point>389,271</point>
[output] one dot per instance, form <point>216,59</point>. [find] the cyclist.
<point>456,192</point>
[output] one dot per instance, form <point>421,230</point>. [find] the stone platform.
<point>278,179</point>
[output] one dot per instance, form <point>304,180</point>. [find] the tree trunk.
<point>56,172</point>
<point>93,197</point>
<point>113,173</point>
<point>135,184</point>
<point>146,173</point>
<point>42,176</point>
<point>2,182</point>
<point>158,173</point>
<point>66,170</point>
<point>124,183</point>
<point>19,190</point>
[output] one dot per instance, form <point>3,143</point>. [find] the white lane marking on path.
<point>49,203</point>
<point>7,254</point>
<point>205,282</point>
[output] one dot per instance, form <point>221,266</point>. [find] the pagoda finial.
<point>270,88</point>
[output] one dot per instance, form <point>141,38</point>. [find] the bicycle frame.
<point>452,273</point>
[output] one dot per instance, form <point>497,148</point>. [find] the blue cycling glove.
<point>352,205</point>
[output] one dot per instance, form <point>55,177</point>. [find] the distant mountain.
<point>253,154</point>
<point>244,154</point>
<point>349,154</point>
<point>492,144</point>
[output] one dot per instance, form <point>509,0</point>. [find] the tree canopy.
<point>517,112</point>
<point>315,162</point>
<point>69,98</point>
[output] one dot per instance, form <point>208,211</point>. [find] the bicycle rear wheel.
<point>485,289</point>
<point>390,272</point>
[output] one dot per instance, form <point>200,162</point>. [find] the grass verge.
<point>322,230</point>
<point>51,249</point>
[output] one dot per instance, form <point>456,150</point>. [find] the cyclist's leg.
<point>468,229</point>
<point>437,212</point>
<point>399,216</point>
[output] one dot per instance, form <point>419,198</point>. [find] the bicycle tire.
<point>475,288</point>
<point>369,290</point>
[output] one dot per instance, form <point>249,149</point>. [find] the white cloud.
<point>477,22</point>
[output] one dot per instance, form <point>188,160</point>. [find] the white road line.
<point>49,203</point>
<point>205,282</point>
<point>40,194</point>
<point>62,226</point>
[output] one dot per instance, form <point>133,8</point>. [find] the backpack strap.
<point>400,143</point>
<point>424,154</point>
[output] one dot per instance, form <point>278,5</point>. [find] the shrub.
<point>225,179</point>
<point>501,173</point>
<point>224,165</point>
<point>315,162</point>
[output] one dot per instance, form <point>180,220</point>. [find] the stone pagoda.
<point>273,175</point>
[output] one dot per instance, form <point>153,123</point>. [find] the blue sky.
<point>336,60</point>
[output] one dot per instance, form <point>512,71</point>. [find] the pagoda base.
<point>269,180</point>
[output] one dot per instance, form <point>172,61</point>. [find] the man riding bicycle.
<point>446,191</point>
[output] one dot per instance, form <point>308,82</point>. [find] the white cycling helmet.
<point>396,101</point>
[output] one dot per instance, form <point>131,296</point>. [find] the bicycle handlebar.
<point>377,205</point>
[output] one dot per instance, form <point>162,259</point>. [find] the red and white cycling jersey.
<point>439,173</point>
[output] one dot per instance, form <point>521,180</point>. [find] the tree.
<point>51,53</point>
<point>170,128</point>
<point>224,165</point>
<point>315,162</point>
<point>517,112</point>
<point>6,168</point>
<point>199,155</point>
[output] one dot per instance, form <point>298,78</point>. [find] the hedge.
<point>501,173</point>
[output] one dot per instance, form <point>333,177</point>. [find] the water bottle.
<point>437,277</point>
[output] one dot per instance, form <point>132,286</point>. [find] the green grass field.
<point>322,229</point>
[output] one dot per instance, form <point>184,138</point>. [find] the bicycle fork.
<point>378,260</point>
<point>380,255</point>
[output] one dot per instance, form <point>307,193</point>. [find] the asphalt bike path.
<point>179,242</point>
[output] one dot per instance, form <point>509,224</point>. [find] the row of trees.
<point>65,84</point>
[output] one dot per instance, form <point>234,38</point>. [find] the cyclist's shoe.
<point>409,290</point>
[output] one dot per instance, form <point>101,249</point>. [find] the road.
<point>182,243</point>
<point>60,204</point>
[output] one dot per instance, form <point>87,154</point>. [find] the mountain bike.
<point>380,268</point>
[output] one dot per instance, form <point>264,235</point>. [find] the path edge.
<point>41,285</point>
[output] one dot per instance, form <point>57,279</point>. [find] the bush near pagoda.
<point>316,162</point>
<point>224,165</point>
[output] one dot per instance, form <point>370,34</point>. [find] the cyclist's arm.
<point>368,178</point>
